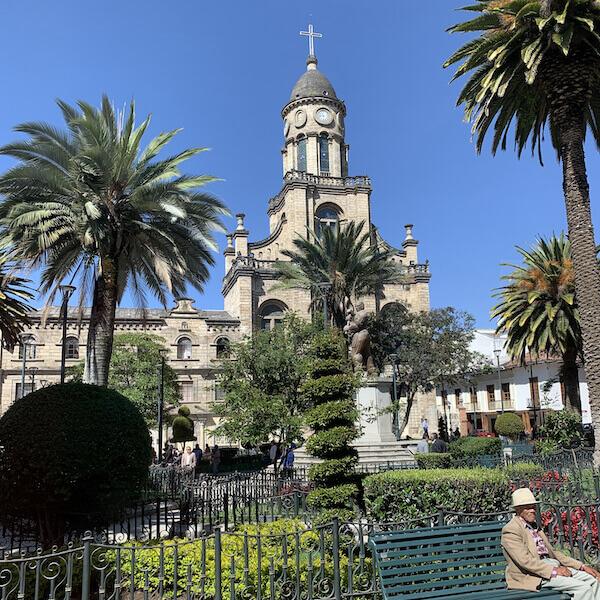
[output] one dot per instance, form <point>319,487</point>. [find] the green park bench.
<point>453,561</point>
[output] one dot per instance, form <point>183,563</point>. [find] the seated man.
<point>533,564</point>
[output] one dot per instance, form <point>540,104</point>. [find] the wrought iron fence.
<point>329,562</point>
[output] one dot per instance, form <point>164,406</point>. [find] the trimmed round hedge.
<point>509,424</point>
<point>72,455</point>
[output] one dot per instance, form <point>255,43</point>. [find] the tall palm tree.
<point>538,310</point>
<point>14,294</point>
<point>89,203</point>
<point>344,258</point>
<point>535,63</point>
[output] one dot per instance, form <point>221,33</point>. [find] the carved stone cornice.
<point>312,100</point>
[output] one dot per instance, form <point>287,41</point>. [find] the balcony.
<point>323,180</point>
<point>497,405</point>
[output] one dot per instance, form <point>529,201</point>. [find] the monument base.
<point>377,445</point>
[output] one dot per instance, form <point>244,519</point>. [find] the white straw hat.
<point>523,497</point>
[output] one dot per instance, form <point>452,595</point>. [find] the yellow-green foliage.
<point>196,561</point>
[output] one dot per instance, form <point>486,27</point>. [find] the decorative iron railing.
<point>329,562</point>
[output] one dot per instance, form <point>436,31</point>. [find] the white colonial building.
<point>530,391</point>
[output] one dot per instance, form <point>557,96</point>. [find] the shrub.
<point>340,496</point>
<point>331,443</point>
<point>434,460</point>
<point>561,429</point>
<point>524,471</point>
<point>72,455</point>
<point>336,468</point>
<point>300,561</point>
<point>397,495</point>
<point>331,413</point>
<point>472,447</point>
<point>510,425</point>
<point>183,426</point>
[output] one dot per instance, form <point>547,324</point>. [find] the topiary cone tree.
<point>329,389</point>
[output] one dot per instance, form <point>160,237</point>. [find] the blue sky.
<point>223,71</point>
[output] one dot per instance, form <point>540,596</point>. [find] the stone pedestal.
<point>372,399</point>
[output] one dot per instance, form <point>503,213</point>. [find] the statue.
<point>359,338</point>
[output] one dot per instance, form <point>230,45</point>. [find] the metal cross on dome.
<point>311,34</point>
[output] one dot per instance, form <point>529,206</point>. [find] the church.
<point>318,191</point>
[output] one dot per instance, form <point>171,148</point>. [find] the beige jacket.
<point>524,569</point>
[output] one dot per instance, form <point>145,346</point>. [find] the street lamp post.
<point>393,358</point>
<point>161,401</point>
<point>497,352</point>
<point>24,350</point>
<point>324,288</point>
<point>33,371</point>
<point>66,290</point>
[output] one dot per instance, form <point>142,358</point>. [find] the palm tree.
<point>89,203</point>
<point>538,310</point>
<point>344,258</point>
<point>536,63</point>
<point>14,309</point>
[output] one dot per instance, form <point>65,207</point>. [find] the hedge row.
<point>398,495</point>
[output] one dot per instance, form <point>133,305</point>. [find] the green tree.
<point>535,63</point>
<point>538,310</point>
<point>90,203</point>
<point>561,430</point>
<point>343,257</point>
<point>134,372</point>
<point>329,389</point>
<point>261,384</point>
<point>14,309</point>
<point>432,348</point>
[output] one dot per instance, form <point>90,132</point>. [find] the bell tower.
<point>313,123</point>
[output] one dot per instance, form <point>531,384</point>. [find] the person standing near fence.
<point>533,564</point>
<point>188,459</point>
<point>273,452</point>
<point>425,426</point>
<point>287,462</point>
<point>215,459</point>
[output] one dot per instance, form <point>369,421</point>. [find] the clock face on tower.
<point>323,116</point>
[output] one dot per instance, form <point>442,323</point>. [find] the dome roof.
<point>312,83</point>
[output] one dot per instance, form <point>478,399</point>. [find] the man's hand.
<point>591,572</point>
<point>564,572</point>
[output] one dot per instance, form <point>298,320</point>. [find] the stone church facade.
<point>317,192</point>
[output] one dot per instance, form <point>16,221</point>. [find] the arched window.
<point>271,315</point>
<point>326,216</point>
<point>301,166</point>
<point>29,341</point>
<point>184,348</point>
<point>223,345</point>
<point>72,347</point>
<point>323,154</point>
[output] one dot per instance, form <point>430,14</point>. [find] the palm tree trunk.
<point>587,275</point>
<point>570,377</point>
<point>101,328</point>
